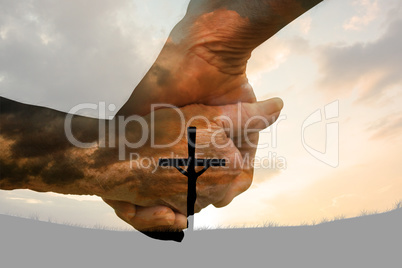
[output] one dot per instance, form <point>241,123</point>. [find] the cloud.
<point>388,127</point>
<point>34,144</point>
<point>368,11</point>
<point>268,56</point>
<point>274,55</point>
<point>27,200</point>
<point>370,68</point>
<point>304,24</point>
<point>61,53</point>
<point>80,198</point>
<point>335,200</point>
<point>266,169</point>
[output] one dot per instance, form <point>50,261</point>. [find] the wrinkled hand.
<point>188,79</point>
<point>205,57</point>
<point>219,129</point>
<point>204,61</point>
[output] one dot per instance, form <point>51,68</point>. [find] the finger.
<point>239,185</point>
<point>152,217</point>
<point>244,93</point>
<point>253,117</point>
<point>142,218</point>
<point>125,209</point>
<point>180,223</point>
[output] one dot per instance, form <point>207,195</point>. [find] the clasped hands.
<point>202,70</point>
<point>148,197</point>
<point>202,65</point>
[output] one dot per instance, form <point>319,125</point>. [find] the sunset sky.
<point>343,52</point>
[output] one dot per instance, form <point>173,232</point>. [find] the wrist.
<point>117,177</point>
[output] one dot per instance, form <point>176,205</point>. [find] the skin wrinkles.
<point>193,79</point>
<point>37,146</point>
<point>73,170</point>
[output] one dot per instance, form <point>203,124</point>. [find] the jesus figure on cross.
<point>191,162</point>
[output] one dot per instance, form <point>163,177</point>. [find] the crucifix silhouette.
<point>191,162</point>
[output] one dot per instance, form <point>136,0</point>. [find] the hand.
<point>204,61</point>
<point>205,57</point>
<point>191,77</point>
<point>199,82</point>
<point>167,186</point>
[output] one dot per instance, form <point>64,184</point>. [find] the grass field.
<point>367,241</point>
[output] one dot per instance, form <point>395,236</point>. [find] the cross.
<point>191,162</point>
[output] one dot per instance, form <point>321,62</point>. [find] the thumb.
<point>252,117</point>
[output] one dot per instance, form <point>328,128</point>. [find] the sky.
<point>340,62</point>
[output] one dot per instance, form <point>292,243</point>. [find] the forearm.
<point>252,21</point>
<point>36,153</point>
<point>207,52</point>
<point>270,16</point>
<point>269,13</point>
